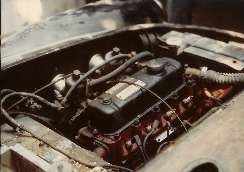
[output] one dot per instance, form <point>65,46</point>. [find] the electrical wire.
<point>121,68</point>
<point>6,91</point>
<point>43,120</point>
<point>90,72</point>
<point>13,123</point>
<point>140,145</point>
<point>162,145</point>
<point>145,143</point>
<point>29,114</point>
<point>155,125</point>
<point>38,90</point>
<point>157,96</point>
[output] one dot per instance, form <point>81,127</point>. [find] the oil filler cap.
<point>154,66</point>
<point>106,101</point>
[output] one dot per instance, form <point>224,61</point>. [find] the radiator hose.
<point>215,77</point>
<point>123,67</point>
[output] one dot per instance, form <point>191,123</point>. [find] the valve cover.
<point>124,101</point>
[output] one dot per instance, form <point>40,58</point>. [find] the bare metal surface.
<point>229,61</point>
<point>210,49</point>
<point>48,48</point>
<point>9,138</point>
<point>220,48</point>
<point>19,158</point>
<point>218,139</point>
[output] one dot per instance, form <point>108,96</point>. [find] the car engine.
<point>126,101</point>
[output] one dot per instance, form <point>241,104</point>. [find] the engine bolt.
<point>107,100</point>
<point>76,74</point>
<point>94,131</point>
<point>148,128</point>
<point>129,145</point>
<point>187,100</point>
<point>169,113</point>
<point>116,50</point>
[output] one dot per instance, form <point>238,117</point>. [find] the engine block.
<point>124,101</point>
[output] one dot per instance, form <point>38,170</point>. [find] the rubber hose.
<point>90,72</point>
<point>145,143</point>
<point>6,91</point>
<point>154,126</point>
<point>121,68</point>
<point>39,90</point>
<point>216,77</point>
<point>13,122</point>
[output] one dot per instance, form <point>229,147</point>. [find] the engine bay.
<point>125,101</point>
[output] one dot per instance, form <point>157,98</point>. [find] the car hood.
<point>89,19</point>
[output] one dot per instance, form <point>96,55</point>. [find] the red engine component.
<point>122,148</point>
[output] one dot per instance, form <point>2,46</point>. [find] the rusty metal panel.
<point>229,61</point>
<point>45,152</point>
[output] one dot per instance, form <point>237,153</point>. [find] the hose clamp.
<point>203,72</point>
